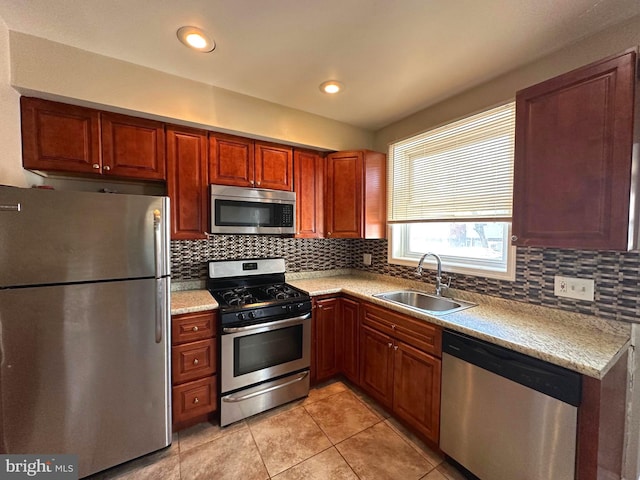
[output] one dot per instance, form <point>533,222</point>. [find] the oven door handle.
<point>268,326</point>
<point>232,399</point>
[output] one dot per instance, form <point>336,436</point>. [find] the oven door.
<point>256,353</point>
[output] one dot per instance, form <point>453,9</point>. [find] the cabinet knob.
<point>195,328</point>
<point>106,168</point>
<point>252,182</point>
<point>514,238</point>
<point>393,327</point>
<point>329,233</point>
<point>196,401</point>
<point>389,344</point>
<point>395,347</point>
<point>95,166</point>
<point>319,306</point>
<point>258,183</point>
<point>196,361</point>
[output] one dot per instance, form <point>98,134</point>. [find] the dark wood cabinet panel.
<point>132,147</point>
<point>193,367</point>
<point>273,166</point>
<point>187,182</point>
<point>193,399</point>
<point>193,360</point>
<point>308,179</point>
<point>231,160</point>
<point>355,202</point>
<point>376,365</point>
<point>416,389</point>
<point>60,137</point>
<point>572,169</point>
<point>349,337</point>
<point>326,324</point>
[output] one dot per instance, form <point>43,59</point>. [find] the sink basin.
<point>424,302</point>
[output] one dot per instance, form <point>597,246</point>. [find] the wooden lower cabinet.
<point>326,328</point>
<point>416,389</point>
<point>402,377</point>
<point>193,360</point>
<point>349,339</point>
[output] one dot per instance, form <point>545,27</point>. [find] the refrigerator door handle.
<point>157,241</point>
<point>160,308</point>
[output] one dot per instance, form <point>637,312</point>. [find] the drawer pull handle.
<point>196,401</point>
<point>196,361</point>
<point>195,329</point>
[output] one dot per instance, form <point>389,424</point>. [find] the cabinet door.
<point>59,137</point>
<point>344,195</point>
<point>273,166</point>
<point>376,365</point>
<point>187,182</point>
<point>231,160</point>
<point>308,180</point>
<point>573,158</point>
<point>416,389</point>
<point>326,320</point>
<point>349,329</point>
<point>132,147</point>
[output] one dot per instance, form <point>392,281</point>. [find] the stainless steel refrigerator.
<point>84,325</point>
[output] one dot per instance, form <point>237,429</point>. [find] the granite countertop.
<point>189,301</point>
<point>582,343</point>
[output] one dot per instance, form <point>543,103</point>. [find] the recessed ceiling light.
<point>195,38</point>
<point>331,86</point>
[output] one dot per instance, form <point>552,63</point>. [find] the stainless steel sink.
<point>424,302</point>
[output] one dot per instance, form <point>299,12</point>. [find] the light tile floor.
<point>337,432</point>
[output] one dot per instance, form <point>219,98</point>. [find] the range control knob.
<point>240,316</point>
<point>252,315</point>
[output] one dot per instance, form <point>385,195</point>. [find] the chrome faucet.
<point>439,285</point>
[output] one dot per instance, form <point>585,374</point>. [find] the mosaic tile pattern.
<point>616,274</point>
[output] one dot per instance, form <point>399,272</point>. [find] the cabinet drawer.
<point>194,398</point>
<point>193,326</point>
<point>193,360</point>
<point>418,333</point>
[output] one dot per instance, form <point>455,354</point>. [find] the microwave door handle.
<point>267,326</point>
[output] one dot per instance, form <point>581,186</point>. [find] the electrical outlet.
<point>570,287</point>
<point>366,258</point>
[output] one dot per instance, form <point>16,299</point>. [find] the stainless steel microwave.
<point>240,210</point>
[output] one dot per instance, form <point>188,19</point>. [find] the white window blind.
<point>457,172</point>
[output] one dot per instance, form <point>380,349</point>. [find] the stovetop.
<point>249,296</point>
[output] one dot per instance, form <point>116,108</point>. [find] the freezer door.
<point>50,237</point>
<point>82,372</point>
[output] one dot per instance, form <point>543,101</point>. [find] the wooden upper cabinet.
<point>60,137</point>
<point>187,182</point>
<point>242,162</point>
<point>273,166</point>
<point>355,203</point>
<point>572,169</point>
<point>231,160</point>
<point>308,178</point>
<point>132,147</point>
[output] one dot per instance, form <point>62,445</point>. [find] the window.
<point>451,191</point>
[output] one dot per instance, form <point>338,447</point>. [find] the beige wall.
<point>503,88</point>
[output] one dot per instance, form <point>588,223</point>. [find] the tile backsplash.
<point>616,274</point>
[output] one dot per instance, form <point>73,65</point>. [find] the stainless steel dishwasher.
<point>506,415</point>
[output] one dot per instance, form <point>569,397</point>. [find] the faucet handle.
<point>448,284</point>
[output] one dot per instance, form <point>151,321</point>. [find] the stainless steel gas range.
<point>265,336</point>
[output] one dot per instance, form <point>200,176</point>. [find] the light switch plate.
<point>577,288</point>
<point>366,258</point>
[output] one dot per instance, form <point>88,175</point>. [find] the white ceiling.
<point>395,57</point>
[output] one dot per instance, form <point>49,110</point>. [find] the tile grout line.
<point>258,450</point>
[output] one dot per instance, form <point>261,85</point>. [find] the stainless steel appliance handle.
<point>232,399</point>
<point>157,241</point>
<point>269,326</point>
<point>11,208</point>
<point>160,306</point>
